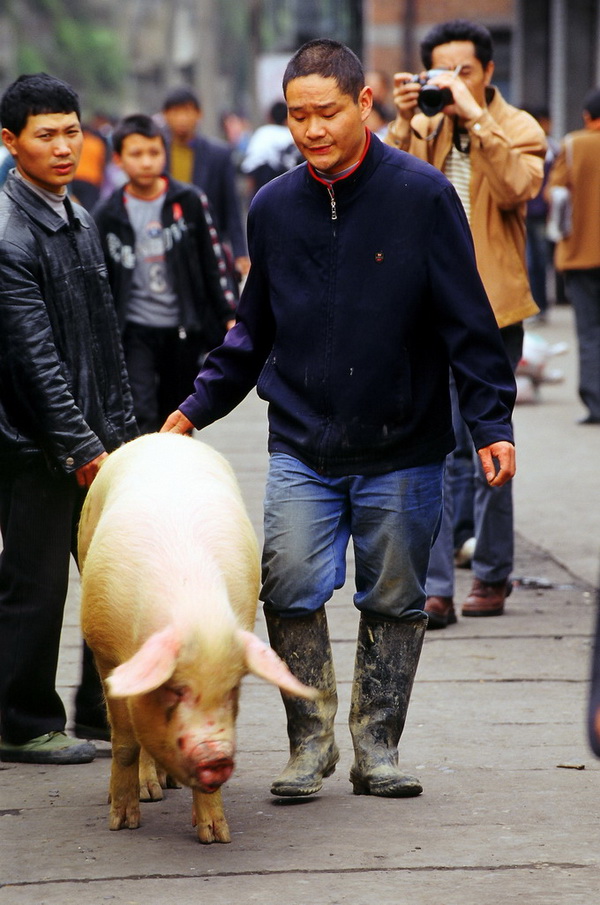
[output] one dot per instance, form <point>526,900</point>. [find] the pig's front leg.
<point>208,817</point>
<point>124,795</point>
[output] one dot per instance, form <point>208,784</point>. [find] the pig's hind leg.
<point>124,795</point>
<point>153,778</point>
<point>208,817</point>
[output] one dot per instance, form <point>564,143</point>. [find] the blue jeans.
<point>392,518</point>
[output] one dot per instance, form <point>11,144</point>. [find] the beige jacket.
<point>581,174</point>
<point>507,162</point>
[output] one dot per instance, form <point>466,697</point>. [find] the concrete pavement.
<point>495,731</point>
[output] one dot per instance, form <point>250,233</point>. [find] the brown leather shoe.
<point>440,611</point>
<point>487,599</point>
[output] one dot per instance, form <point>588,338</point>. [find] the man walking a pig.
<point>64,404</point>
<point>363,290</point>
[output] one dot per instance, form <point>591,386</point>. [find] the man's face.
<point>47,150</point>
<point>327,126</point>
<point>143,160</point>
<point>182,121</point>
<point>472,73</point>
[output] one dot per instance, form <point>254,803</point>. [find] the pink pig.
<point>169,578</point>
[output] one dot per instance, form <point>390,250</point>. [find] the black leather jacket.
<point>64,392</point>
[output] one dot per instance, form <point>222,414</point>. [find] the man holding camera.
<point>493,153</point>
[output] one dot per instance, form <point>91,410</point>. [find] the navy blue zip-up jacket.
<point>359,297</point>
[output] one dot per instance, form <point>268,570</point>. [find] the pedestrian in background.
<point>493,154</point>
<point>271,150</point>
<point>539,257</point>
<point>577,168</point>
<point>64,405</point>
<point>207,164</point>
<point>353,311</point>
<point>163,273</point>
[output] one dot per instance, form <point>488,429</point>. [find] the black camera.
<point>432,98</point>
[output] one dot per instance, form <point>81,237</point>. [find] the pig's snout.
<point>212,776</point>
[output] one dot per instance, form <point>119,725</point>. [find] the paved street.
<point>495,731</point>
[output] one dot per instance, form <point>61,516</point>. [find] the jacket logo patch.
<point>378,257</point>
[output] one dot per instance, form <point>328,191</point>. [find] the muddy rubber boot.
<point>303,644</point>
<point>387,654</point>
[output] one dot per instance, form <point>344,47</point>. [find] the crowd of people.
<point>382,323</point>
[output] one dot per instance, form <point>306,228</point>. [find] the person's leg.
<point>458,491</point>
<point>583,289</point>
<point>141,346</point>
<point>36,519</point>
<point>461,477</point>
<point>306,535</point>
<point>439,586</point>
<point>537,261</point>
<point>178,366</point>
<point>394,521</point>
<point>494,523</point>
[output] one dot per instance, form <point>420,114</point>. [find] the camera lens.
<point>433,99</point>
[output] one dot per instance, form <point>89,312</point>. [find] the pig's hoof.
<point>151,790</point>
<point>217,831</point>
<point>124,818</point>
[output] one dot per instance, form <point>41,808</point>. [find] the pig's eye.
<point>173,695</point>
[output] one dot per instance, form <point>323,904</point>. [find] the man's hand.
<point>242,265</point>
<point>85,474</point>
<point>465,107</point>
<point>177,423</point>
<point>498,461</point>
<point>405,95</point>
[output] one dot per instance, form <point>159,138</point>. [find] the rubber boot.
<point>387,655</point>
<point>303,644</point>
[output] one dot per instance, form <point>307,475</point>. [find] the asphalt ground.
<point>496,732</point>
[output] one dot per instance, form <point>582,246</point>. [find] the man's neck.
<point>54,200</point>
<point>147,193</point>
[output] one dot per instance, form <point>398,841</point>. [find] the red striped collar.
<point>326,181</point>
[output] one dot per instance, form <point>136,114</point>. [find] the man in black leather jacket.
<point>65,404</point>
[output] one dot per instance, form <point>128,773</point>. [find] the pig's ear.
<point>147,670</point>
<point>262,661</point>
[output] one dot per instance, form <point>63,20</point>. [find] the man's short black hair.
<point>458,30</point>
<point>31,95</point>
<point>591,103</point>
<point>329,59</point>
<point>135,124</point>
<point>177,97</point>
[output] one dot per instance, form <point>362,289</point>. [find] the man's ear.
<point>8,140</point>
<point>489,72</point>
<point>365,102</point>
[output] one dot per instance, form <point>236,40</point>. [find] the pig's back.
<point>165,527</point>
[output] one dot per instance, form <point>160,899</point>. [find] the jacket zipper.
<point>321,457</point>
<point>332,201</point>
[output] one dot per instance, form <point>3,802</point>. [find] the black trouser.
<point>162,367</point>
<point>39,512</point>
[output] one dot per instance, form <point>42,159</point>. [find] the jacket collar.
<point>372,155</point>
<point>174,191</point>
<point>37,209</point>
